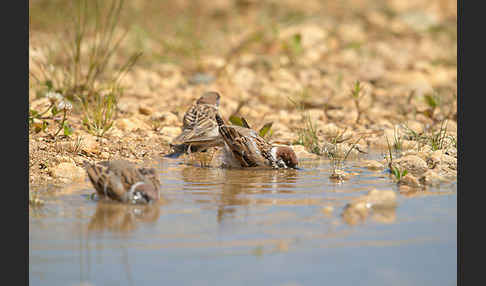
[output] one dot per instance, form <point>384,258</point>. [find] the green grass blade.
<point>235,120</point>
<point>264,130</point>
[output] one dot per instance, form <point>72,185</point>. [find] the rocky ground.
<point>297,73</point>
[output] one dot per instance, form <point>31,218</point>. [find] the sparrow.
<point>200,129</point>
<point>245,148</point>
<point>122,181</point>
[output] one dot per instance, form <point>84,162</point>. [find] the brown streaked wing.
<point>100,177</point>
<point>241,146</point>
<point>199,126</point>
<point>189,119</point>
<point>151,175</point>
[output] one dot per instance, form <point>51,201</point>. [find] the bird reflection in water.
<point>232,188</point>
<point>122,218</point>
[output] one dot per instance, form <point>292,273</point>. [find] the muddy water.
<point>248,227</point>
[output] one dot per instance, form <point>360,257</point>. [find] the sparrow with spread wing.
<point>200,129</point>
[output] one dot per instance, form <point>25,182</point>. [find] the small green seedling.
<point>356,95</point>
<point>266,129</point>
<point>293,47</point>
<point>241,121</point>
<point>433,102</point>
<point>398,173</point>
<point>307,135</point>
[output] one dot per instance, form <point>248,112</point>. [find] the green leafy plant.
<point>99,115</point>
<point>336,156</point>
<point>82,68</point>
<point>438,140</point>
<point>399,174</point>
<point>356,94</point>
<point>410,134</point>
<point>390,158</point>
<point>241,121</point>
<point>293,47</point>
<point>38,121</point>
<point>435,140</point>
<point>266,129</point>
<point>307,136</point>
<point>397,140</point>
<point>76,145</point>
<point>432,101</point>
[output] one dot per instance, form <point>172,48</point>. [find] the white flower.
<point>64,105</point>
<point>54,96</point>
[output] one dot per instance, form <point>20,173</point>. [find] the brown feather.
<point>114,180</point>
<point>246,145</point>
<point>250,149</point>
<point>200,129</point>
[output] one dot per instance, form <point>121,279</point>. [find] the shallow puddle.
<point>248,227</point>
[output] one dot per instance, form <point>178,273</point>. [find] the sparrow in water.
<point>245,148</point>
<point>200,129</point>
<point>122,181</point>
